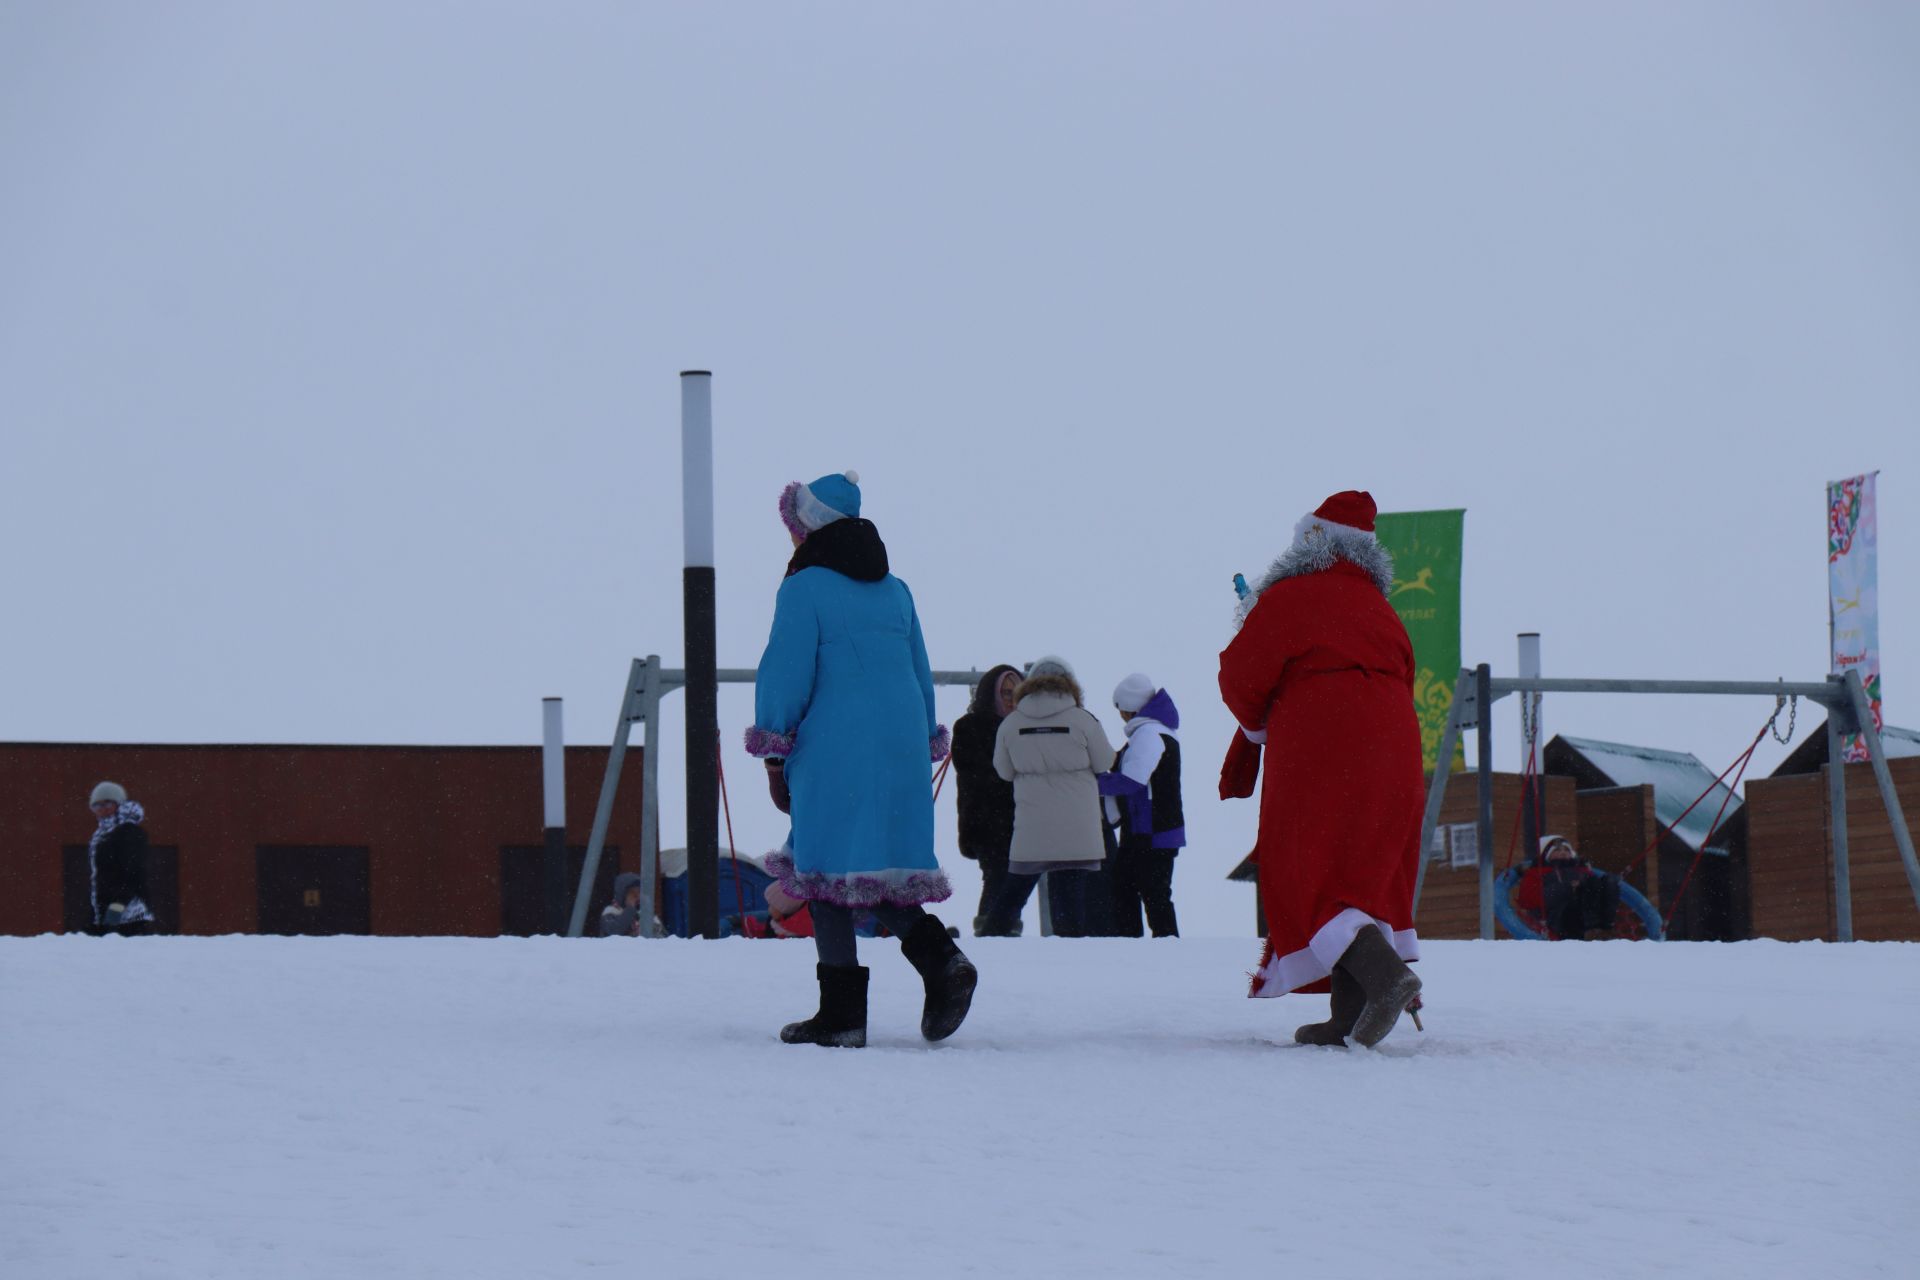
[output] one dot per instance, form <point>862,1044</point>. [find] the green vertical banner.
<point>1426,551</point>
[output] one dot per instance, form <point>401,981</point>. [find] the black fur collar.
<point>851,547</point>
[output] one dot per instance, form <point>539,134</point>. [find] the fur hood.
<point>1051,682</point>
<point>986,695</point>
<point>1318,554</point>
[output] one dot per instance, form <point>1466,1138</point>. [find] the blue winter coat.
<point>844,691</point>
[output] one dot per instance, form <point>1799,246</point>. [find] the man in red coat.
<point>1321,672</point>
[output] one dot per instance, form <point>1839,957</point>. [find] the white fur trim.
<point>1315,961</point>
<point>1335,542</point>
<point>814,513</point>
<point>853,477</point>
<point>1303,528</point>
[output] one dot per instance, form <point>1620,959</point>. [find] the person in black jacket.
<point>985,802</point>
<point>117,863</point>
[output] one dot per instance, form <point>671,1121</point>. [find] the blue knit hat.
<point>807,507</point>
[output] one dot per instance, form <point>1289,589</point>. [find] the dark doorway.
<point>163,888</point>
<point>316,889</point>
<point>521,899</point>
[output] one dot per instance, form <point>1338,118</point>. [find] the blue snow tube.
<point>1631,899</point>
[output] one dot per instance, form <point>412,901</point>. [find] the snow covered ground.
<point>267,1107</point>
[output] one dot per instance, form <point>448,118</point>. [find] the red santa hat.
<point>1346,515</point>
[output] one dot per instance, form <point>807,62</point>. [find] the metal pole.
<point>1483,705</point>
<point>1437,789</point>
<point>1837,828</point>
<point>1823,693</point>
<point>650,792</point>
<point>1876,751</point>
<point>603,812</point>
<point>1533,804</point>
<point>703,695</point>
<point>553,785</point>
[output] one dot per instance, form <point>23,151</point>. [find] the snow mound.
<point>293,1107</point>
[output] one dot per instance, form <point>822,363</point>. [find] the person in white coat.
<point>1052,749</point>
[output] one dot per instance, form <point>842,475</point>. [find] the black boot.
<point>1386,981</point>
<point>1348,1001</point>
<point>949,975</point>
<point>842,1020</point>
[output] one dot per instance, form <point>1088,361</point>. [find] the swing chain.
<point>1793,712</point>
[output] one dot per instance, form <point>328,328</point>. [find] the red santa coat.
<point>1323,666</point>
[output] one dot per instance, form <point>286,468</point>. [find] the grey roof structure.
<point>1810,755</point>
<point>1678,779</point>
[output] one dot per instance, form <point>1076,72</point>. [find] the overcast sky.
<point>339,342</point>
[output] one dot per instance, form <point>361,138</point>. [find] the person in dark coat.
<point>984,800</point>
<point>1574,898</point>
<point>117,863</point>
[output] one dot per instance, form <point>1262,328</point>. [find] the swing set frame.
<point>1843,697</point>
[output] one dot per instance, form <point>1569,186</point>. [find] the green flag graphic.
<point>1426,551</point>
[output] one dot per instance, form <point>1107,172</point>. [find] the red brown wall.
<point>1617,826</point>
<point>1449,905</point>
<point>1790,854</point>
<point>433,819</point>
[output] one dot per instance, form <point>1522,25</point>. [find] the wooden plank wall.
<point>1883,906</point>
<point>1449,905</point>
<point>1789,872</point>
<point>1791,864</point>
<point>1616,823</point>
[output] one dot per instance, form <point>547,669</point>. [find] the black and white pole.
<point>553,788</point>
<point>1533,747</point>
<point>703,687</point>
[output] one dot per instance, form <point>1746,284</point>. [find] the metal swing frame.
<point>1843,697</point>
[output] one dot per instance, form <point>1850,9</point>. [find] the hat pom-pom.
<point>853,477</point>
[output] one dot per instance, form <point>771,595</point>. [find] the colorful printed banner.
<point>1853,591</point>
<point>1426,550</point>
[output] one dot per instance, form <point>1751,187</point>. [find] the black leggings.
<point>1144,877</point>
<point>833,936</point>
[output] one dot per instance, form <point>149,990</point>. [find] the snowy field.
<point>254,1107</point>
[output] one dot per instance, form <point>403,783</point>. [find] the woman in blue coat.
<point>843,717</point>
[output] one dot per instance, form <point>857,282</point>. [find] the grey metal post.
<point>1437,789</point>
<point>1876,751</point>
<point>649,792</point>
<point>1483,697</point>
<point>603,813</point>
<point>1533,804</point>
<point>553,787</point>
<point>703,689</point>
<point>1837,827</point>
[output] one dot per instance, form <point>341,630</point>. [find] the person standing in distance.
<point>983,802</point>
<point>117,863</point>
<point>1052,749</point>
<point>1143,801</point>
